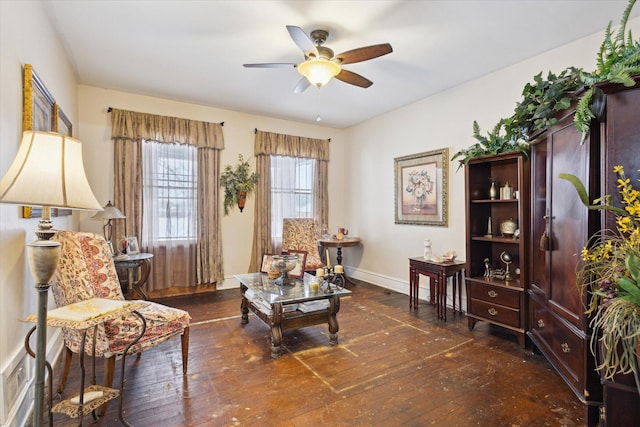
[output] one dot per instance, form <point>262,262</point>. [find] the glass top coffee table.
<point>290,306</point>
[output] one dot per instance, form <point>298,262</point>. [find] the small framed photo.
<point>132,245</point>
<point>298,272</point>
<point>267,260</point>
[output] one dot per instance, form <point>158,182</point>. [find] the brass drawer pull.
<point>540,323</point>
<point>565,347</point>
<point>492,311</point>
<point>492,294</point>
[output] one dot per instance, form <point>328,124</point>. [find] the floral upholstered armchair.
<point>85,271</point>
<point>302,234</point>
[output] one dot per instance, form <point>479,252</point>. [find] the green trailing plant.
<point>497,141</point>
<point>237,180</point>
<point>617,61</point>
<point>542,99</point>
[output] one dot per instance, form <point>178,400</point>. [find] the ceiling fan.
<point>320,64</point>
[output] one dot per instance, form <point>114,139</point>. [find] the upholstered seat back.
<point>302,234</point>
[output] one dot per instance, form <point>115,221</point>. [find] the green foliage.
<point>496,142</point>
<point>543,98</point>
<point>237,179</point>
<point>617,61</point>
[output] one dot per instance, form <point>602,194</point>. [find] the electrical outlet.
<point>15,381</point>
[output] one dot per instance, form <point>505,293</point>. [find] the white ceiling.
<point>193,51</point>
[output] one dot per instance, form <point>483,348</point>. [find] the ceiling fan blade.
<point>353,78</point>
<point>364,53</point>
<point>302,85</point>
<point>271,65</point>
<point>303,41</point>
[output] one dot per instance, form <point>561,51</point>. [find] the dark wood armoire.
<point>561,226</point>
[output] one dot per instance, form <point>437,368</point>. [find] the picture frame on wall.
<point>38,103</point>
<point>41,113</point>
<point>421,188</point>
<point>63,124</point>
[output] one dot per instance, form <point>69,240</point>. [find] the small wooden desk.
<point>134,280</point>
<point>438,273</point>
<point>335,243</point>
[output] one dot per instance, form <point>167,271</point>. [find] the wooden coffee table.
<point>289,307</point>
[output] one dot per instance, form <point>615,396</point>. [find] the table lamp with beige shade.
<point>106,215</point>
<point>48,171</point>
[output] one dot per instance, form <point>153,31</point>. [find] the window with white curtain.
<point>169,193</point>
<point>291,191</point>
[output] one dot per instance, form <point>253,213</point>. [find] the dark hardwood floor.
<point>393,366</point>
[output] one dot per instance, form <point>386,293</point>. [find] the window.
<point>169,192</point>
<point>291,191</point>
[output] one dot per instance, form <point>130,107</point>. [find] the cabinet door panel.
<point>569,226</point>
<point>538,270</point>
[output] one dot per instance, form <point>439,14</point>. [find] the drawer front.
<point>495,295</point>
<point>495,312</point>
<point>540,323</point>
<point>570,350</point>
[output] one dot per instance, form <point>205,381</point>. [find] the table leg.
<point>124,356</point>
<point>276,330</point>
<point>136,285</point>
<point>334,307</point>
<point>411,285</point>
<point>443,285</point>
<point>244,307</point>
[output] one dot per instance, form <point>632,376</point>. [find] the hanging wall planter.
<point>238,183</point>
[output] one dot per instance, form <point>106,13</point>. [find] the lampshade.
<point>319,71</point>
<point>108,212</point>
<point>48,171</point>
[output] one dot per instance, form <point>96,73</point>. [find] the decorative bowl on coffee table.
<point>284,264</point>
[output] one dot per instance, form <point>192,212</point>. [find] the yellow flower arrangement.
<point>610,273</point>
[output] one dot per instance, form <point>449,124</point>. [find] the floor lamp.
<point>48,171</point>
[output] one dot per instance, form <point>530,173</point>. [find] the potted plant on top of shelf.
<point>610,273</point>
<point>238,183</point>
<point>618,61</point>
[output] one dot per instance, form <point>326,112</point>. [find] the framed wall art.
<point>421,188</point>
<point>40,112</point>
<point>38,107</point>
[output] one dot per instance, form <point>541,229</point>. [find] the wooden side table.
<point>339,244</point>
<point>85,315</point>
<point>138,268</point>
<point>438,273</point>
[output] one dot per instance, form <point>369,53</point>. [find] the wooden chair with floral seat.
<point>302,234</point>
<point>86,270</point>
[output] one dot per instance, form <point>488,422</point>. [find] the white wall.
<point>26,38</point>
<point>239,138</point>
<point>443,120</point>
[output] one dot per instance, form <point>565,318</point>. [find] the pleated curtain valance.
<point>277,144</point>
<point>134,126</point>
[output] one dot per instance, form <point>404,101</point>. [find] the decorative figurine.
<point>507,259</point>
<point>487,267</point>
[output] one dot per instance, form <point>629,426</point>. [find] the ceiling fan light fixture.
<point>319,71</point>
